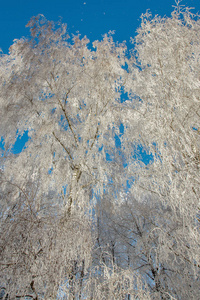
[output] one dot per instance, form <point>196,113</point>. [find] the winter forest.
<point>102,203</point>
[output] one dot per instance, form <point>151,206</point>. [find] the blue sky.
<point>90,17</point>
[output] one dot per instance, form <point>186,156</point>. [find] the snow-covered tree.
<point>68,99</point>
<point>165,83</point>
<point>155,230</point>
<point>69,227</point>
<point>66,96</point>
<point>150,240</point>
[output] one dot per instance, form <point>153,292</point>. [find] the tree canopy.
<point>83,215</point>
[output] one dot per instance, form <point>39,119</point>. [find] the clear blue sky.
<point>90,17</point>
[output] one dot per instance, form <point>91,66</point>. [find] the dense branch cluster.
<point>83,215</point>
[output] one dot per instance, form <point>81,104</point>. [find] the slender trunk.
<point>73,189</point>
<point>81,279</point>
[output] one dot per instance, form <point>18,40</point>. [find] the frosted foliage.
<point>167,80</point>
<point>68,99</point>
<point>165,87</point>
<point>117,284</point>
<point>153,241</point>
<point>103,201</point>
<point>63,94</point>
<point>41,253</point>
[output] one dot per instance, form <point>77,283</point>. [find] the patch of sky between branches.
<point>139,154</point>
<point>117,137</point>
<point>124,95</point>
<point>19,145</point>
<point>142,155</point>
<point>21,140</point>
<point>63,123</point>
<point>2,144</point>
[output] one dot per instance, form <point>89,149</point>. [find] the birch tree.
<point>63,94</point>
<point>165,90</point>
<point>68,99</point>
